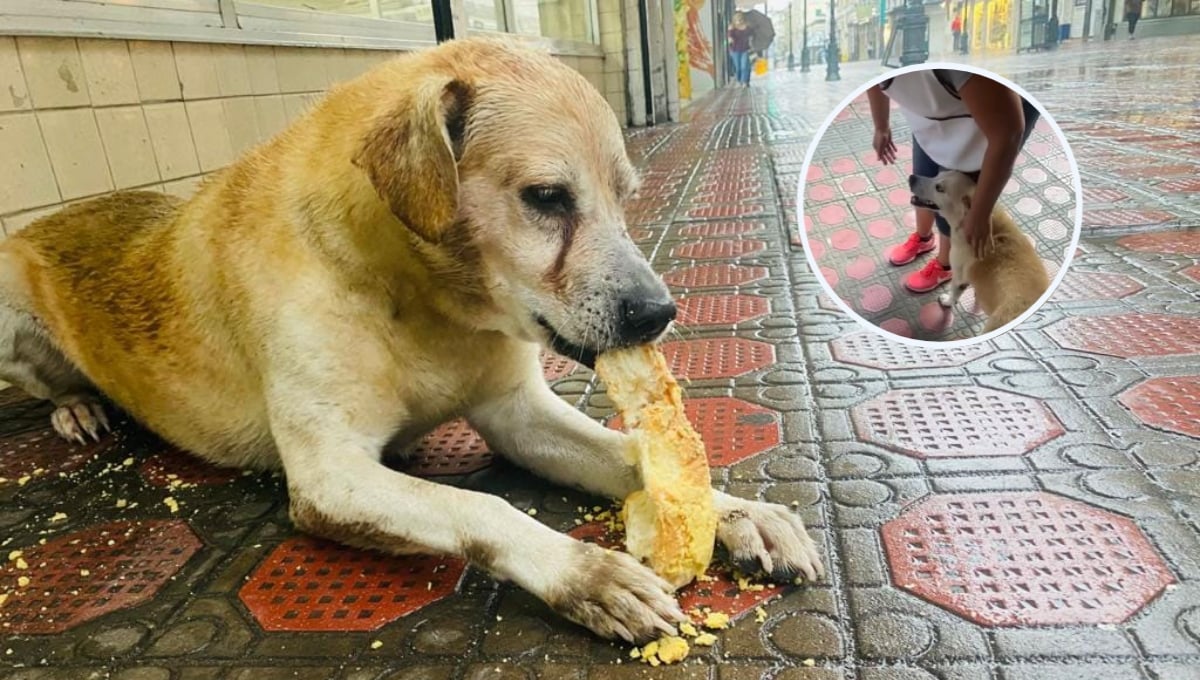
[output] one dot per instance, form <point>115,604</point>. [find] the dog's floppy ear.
<point>966,199</point>
<point>411,154</point>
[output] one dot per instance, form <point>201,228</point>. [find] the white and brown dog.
<point>394,259</point>
<point>1009,278</point>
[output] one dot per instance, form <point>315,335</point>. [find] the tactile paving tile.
<point>1181,186</point>
<point>1119,217</point>
<point>1077,286</point>
<point>43,452</point>
<point>1169,242</point>
<point>955,422</point>
<point>306,584</point>
<point>870,349</point>
<point>556,367</point>
<point>452,449</point>
<point>1094,195</point>
<point>1171,404</point>
<point>714,276</point>
<point>720,310</point>
<point>732,429</point>
<point>1024,559</point>
<point>720,594</point>
<point>718,250</point>
<point>1129,335</point>
<point>79,577</point>
<point>717,357</point>
<point>174,466</point>
<point>717,229</point>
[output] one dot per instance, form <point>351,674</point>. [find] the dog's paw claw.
<point>945,301</point>
<point>770,538</point>
<point>77,421</point>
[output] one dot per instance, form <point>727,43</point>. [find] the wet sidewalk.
<point>1025,509</point>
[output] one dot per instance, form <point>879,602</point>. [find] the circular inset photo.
<point>940,204</point>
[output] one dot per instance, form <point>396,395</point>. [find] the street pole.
<point>791,42</point>
<point>832,57</point>
<point>804,44</point>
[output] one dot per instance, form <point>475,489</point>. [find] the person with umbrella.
<point>739,48</point>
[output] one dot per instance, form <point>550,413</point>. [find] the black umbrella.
<point>762,31</point>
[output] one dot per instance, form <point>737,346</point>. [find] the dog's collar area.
<point>566,348</point>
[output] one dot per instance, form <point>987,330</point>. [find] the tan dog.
<point>392,260</point>
<point>1010,277</point>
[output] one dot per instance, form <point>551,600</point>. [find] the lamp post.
<point>791,42</point>
<point>832,57</point>
<point>804,41</point>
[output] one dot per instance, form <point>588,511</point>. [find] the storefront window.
<point>399,10</point>
<point>485,15</point>
<point>563,19</point>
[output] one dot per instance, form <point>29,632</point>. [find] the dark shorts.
<point>924,166</point>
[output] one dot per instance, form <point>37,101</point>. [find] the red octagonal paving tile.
<point>719,591</point>
<point>307,584</point>
<point>732,429</point>
<point>1170,242</point>
<point>556,367</point>
<point>1077,286</point>
<point>1024,559</point>
<point>42,452</point>
<point>718,250</point>
<point>875,351</point>
<point>81,576</point>
<point>954,422</point>
<point>1192,272</point>
<point>719,310</point>
<point>714,276</point>
<point>1129,335</point>
<point>452,449</point>
<point>717,357</point>
<point>1171,404</point>
<point>173,466</point>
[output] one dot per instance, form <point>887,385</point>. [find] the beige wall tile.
<point>302,69</point>
<point>270,115</point>
<point>15,223</point>
<point>76,152</point>
<point>197,70</point>
<point>241,121</point>
<point>260,61</point>
<point>127,145</point>
<point>53,72</point>
<point>183,188</point>
<point>14,95</point>
<point>109,72</point>
<point>294,105</point>
<point>210,131</point>
<point>233,74</point>
<point>171,136</point>
<point>345,66</point>
<point>154,69</point>
<point>28,179</point>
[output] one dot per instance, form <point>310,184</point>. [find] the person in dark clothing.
<point>739,48</point>
<point>1133,12</point>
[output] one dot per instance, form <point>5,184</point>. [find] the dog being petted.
<point>930,268</point>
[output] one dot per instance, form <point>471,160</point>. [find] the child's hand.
<point>884,146</point>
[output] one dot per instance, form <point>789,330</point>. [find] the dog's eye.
<point>938,188</point>
<point>548,199</point>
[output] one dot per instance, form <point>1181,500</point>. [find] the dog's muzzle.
<point>913,182</point>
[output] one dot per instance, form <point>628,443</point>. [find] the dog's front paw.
<point>769,537</point>
<point>946,300</point>
<point>77,417</point>
<point>615,596</point>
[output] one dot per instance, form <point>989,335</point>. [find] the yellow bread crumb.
<point>688,629</point>
<point>705,639</point>
<point>716,621</point>
<point>14,555</point>
<point>376,644</point>
<point>171,503</point>
<point>127,462</point>
<point>22,481</point>
<point>809,662</point>
<point>760,615</point>
<point>22,581</point>
<point>58,517</point>
<point>84,572</point>
<point>672,649</point>
<point>22,564</point>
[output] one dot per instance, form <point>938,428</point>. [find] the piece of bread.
<point>671,523</point>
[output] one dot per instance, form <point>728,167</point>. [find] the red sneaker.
<point>929,277</point>
<point>909,250</point>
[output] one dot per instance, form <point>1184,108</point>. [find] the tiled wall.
<point>79,118</point>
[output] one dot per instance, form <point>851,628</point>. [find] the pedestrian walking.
<point>956,30</point>
<point>739,35</point>
<point>960,121</point>
<point>1133,12</point>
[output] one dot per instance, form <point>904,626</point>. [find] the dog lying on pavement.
<point>1010,277</point>
<point>394,259</point>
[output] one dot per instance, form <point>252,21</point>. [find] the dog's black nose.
<point>912,181</point>
<point>644,319</point>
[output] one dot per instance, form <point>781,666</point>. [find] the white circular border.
<point>1068,256</point>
